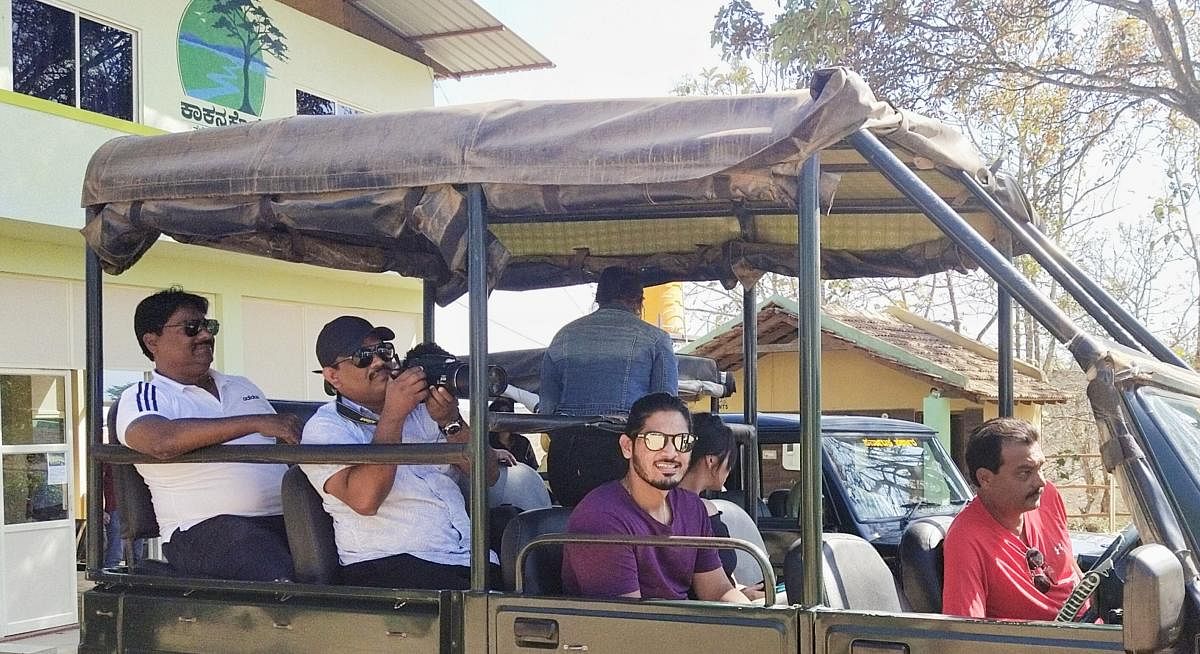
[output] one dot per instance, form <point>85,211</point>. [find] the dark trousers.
<point>408,571</point>
<point>581,459</point>
<point>233,547</point>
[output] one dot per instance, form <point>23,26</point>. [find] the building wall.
<point>44,154</point>
<point>851,381</point>
<point>270,311</point>
<point>46,145</point>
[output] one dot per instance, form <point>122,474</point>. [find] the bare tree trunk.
<point>955,320</point>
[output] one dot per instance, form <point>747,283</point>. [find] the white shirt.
<point>423,515</point>
<point>185,494</point>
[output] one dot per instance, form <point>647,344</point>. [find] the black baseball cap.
<point>343,335</point>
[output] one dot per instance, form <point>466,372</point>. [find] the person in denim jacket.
<point>599,365</point>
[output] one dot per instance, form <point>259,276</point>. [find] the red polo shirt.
<point>986,573</point>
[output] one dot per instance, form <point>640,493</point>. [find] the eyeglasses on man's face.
<point>363,356</point>
<point>656,440</point>
<point>193,326</point>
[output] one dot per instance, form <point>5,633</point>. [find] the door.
<point>532,624</point>
<point>37,537</point>
<point>855,632</point>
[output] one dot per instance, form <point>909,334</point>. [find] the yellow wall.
<point>851,381</point>
<point>663,308</point>
<point>43,278</point>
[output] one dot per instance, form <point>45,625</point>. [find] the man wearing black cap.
<point>397,526</point>
<point>599,365</point>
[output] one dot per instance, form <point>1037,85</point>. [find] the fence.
<point>1115,516</point>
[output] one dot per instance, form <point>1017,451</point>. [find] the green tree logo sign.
<point>221,49</point>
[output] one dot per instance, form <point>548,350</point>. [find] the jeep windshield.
<point>890,477</point>
<point>1173,438</point>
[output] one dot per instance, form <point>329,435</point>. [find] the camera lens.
<point>497,380</point>
<point>457,378</point>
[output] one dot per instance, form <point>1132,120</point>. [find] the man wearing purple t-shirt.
<point>646,502</point>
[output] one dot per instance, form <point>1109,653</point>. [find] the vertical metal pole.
<point>809,342</point>
<point>94,415</point>
<point>1112,501</point>
<point>428,294</point>
<point>477,302</point>
<point>1004,352</point>
<point>750,476</point>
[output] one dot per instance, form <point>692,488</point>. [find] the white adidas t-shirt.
<point>185,494</point>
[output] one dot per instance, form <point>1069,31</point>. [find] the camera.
<point>455,376</point>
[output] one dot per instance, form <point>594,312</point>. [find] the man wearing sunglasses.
<point>1009,549</point>
<point>647,502</point>
<point>216,519</point>
<point>396,526</point>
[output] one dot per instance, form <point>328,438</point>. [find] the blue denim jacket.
<point>603,362</point>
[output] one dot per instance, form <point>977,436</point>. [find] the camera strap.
<point>351,413</point>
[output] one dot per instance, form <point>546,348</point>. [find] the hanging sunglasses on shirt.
<point>656,440</point>
<point>364,355</point>
<point>1037,568</point>
<point>193,327</point>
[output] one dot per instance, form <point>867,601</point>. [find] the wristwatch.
<point>453,427</point>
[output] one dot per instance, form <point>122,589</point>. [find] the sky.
<point>601,49</point>
<point>608,48</point>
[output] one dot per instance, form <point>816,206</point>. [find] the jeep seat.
<point>309,530</point>
<point>921,562</point>
<point>138,520</point>
<point>854,575</point>
<point>741,526</point>
<point>543,566</point>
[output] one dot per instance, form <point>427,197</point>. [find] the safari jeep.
<point>824,183</point>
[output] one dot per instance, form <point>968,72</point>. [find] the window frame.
<point>66,448</point>
<point>78,14</point>
<point>328,98</point>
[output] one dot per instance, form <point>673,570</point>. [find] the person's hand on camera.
<point>442,405</point>
<point>405,391</point>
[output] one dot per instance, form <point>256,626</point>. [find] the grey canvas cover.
<point>571,187</point>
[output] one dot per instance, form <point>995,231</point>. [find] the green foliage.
<point>248,23</point>
<point>114,392</point>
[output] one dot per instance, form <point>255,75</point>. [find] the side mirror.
<point>1153,599</point>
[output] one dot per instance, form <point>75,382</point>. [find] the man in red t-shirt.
<point>1008,554</point>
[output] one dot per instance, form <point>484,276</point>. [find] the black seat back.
<point>854,575</point>
<point>138,520</point>
<point>309,530</point>
<point>299,408</point>
<point>777,502</point>
<point>133,496</point>
<point>543,565</point>
<point>922,561</point>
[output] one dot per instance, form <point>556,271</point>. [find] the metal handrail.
<point>408,454</point>
<point>695,542</point>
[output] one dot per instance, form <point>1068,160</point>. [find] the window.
<point>310,104</point>
<point>73,60</point>
<point>34,441</point>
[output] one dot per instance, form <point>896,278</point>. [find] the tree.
<point>1066,92</point>
<point>1110,50</point>
<point>249,24</point>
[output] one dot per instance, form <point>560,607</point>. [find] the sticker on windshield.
<point>889,442</point>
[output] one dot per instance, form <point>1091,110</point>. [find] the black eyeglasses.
<point>364,355</point>
<point>193,327</point>
<point>1037,568</point>
<point>656,440</point>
